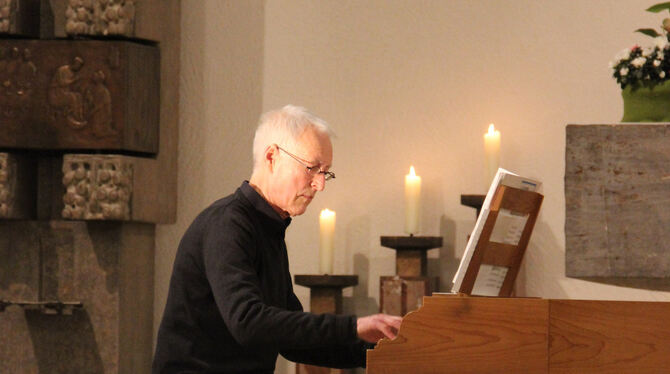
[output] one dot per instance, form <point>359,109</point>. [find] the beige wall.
<point>401,82</point>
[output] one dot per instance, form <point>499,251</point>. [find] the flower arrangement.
<point>645,67</point>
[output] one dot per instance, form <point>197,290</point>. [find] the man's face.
<point>292,187</point>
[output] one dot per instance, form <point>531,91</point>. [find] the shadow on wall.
<point>360,303</point>
<point>105,239</point>
<point>446,265</point>
<point>55,339</point>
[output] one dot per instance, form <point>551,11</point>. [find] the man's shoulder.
<point>233,207</point>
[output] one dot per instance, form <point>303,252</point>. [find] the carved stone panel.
<point>98,187</point>
<point>17,186</point>
<point>87,94</point>
<point>18,17</point>
<point>107,266</point>
<point>617,200</point>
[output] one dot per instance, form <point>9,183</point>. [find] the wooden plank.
<point>519,201</point>
<point>609,337</point>
<point>500,254</point>
<point>467,335</point>
<point>617,200</point>
<point>84,94</point>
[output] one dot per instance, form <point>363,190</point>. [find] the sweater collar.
<point>261,205</point>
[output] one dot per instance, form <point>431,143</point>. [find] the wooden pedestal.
<point>325,292</point>
<point>403,292</point>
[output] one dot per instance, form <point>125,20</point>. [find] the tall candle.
<point>327,234</point>
<point>412,201</point>
<point>492,151</point>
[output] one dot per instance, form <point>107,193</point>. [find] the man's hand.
<point>377,326</point>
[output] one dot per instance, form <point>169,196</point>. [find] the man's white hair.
<point>283,127</point>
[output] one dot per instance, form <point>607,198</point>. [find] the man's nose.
<point>319,182</point>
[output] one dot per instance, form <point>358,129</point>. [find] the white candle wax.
<point>327,234</point>
<point>492,151</point>
<point>412,201</point>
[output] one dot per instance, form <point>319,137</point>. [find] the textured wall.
<point>401,82</point>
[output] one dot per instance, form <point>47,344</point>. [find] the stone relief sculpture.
<point>82,101</point>
<point>99,106</point>
<point>5,185</point>
<point>5,14</point>
<point>64,95</point>
<point>17,77</point>
<point>97,187</point>
<point>100,17</point>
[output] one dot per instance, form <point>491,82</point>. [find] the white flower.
<point>624,54</point>
<point>638,62</point>
<point>661,74</point>
<point>661,42</point>
<point>659,55</point>
<point>647,52</point>
<point>623,72</point>
<point>657,63</point>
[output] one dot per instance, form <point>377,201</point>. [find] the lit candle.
<point>412,201</point>
<point>492,150</point>
<point>327,231</point>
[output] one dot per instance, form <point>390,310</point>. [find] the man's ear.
<point>270,156</point>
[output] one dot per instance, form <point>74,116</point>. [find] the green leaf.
<point>659,7</point>
<point>651,32</point>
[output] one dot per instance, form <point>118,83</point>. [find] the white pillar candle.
<point>492,150</point>
<point>327,234</point>
<point>412,201</point>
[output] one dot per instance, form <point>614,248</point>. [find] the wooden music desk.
<point>461,334</point>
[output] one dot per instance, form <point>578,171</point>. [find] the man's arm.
<point>229,251</point>
<point>371,328</point>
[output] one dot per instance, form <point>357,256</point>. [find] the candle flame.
<point>327,213</point>
<point>411,171</point>
<point>491,129</point>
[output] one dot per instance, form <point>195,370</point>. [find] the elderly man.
<point>231,306</point>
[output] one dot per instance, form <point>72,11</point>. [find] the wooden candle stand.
<point>325,296</point>
<point>404,291</point>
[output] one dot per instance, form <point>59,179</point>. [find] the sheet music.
<point>506,178</point>
<point>509,227</point>
<point>489,280</point>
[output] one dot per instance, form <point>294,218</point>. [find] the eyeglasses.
<point>311,170</point>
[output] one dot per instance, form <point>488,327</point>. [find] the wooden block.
<point>20,17</point>
<point>617,209</point>
<point>609,337</point>
<point>411,263</point>
<point>17,186</point>
<point>85,94</point>
<point>467,335</point>
<point>325,300</point>
<point>400,295</point>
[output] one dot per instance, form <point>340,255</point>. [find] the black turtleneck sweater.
<point>231,306</point>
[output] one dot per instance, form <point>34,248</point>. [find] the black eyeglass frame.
<point>311,170</point>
